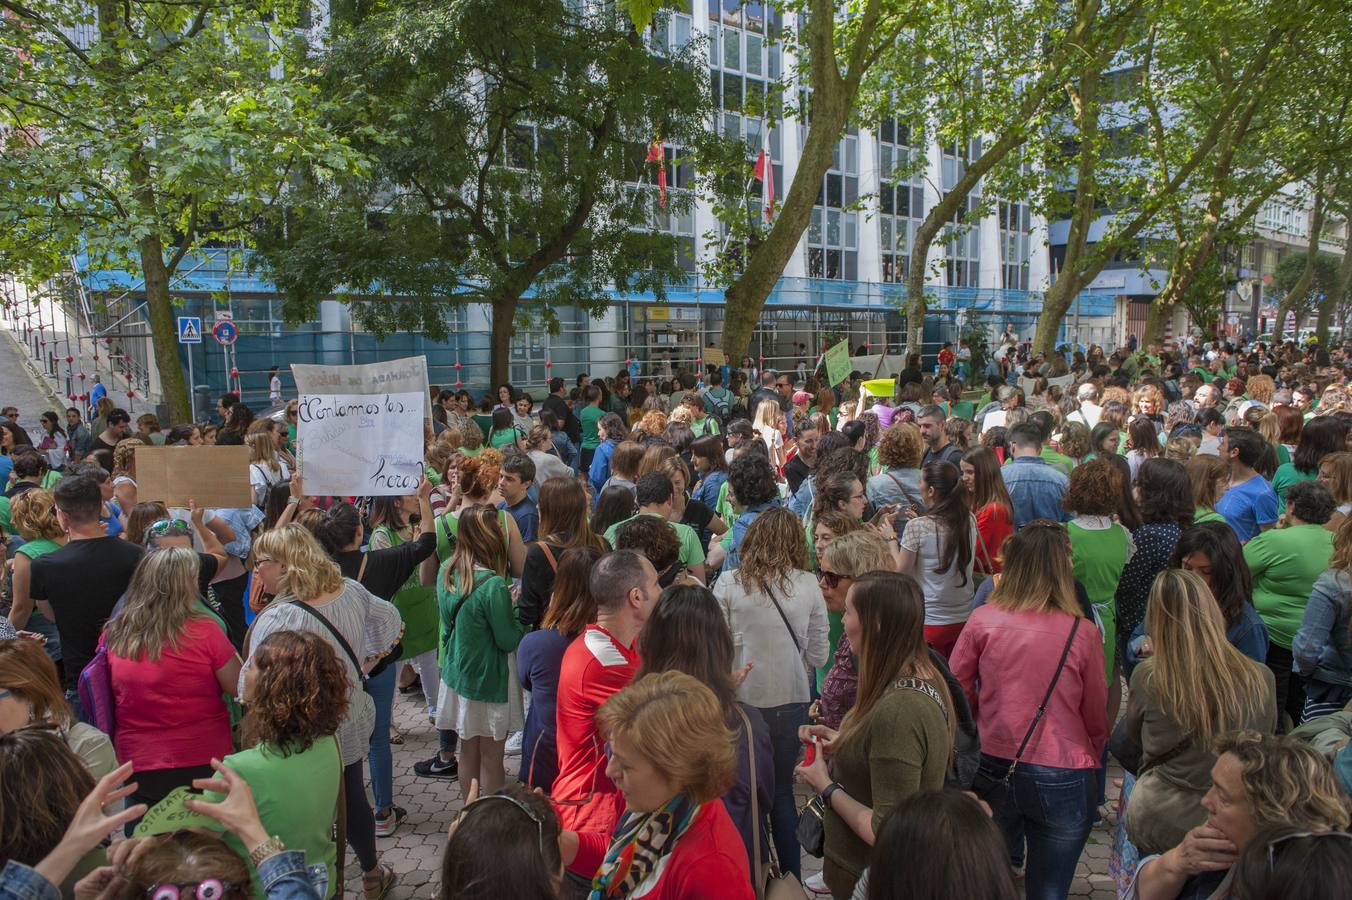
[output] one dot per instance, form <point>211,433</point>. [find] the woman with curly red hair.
<point>296,694</point>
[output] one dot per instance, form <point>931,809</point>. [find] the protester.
<point>1163,493</point>
<point>938,549</point>
<point>504,844</point>
<point>1194,687</point>
<point>31,694</point>
<point>1028,655</point>
<point>1213,553</point>
<point>1100,548</point>
<point>1322,647</point>
<point>1249,504</point>
<point>33,515</point>
<point>896,739</point>
<point>1035,488</point>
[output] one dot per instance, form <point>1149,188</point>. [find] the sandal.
<point>377,884</point>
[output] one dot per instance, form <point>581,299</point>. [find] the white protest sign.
<point>393,376</point>
<point>367,445</point>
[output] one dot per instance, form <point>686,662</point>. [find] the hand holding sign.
<point>172,814</point>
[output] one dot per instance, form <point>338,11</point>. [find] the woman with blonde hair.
<point>1322,647</point>
<point>767,425</point>
<point>1029,655</point>
<point>1335,471</point>
<point>124,471</point>
<point>672,758</point>
<point>1210,477</point>
<point>847,559</point>
<point>1193,688</point>
<point>1148,403</point>
<point>312,595</point>
<point>33,514</point>
<point>480,701</point>
<point>896,740</point>
<point>777,614</point>
<point>170,660</point>
<point>266,469</point>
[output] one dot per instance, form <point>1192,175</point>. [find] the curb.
<point>35,375</point>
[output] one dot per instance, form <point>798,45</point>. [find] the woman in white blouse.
<point>778,618</point>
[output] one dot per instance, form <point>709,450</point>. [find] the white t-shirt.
<point>275,390</point>
<point>263,478</point>
<point>948,597</point>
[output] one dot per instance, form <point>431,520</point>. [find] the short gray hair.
<point>1087,391</point>
<point>932,411</point>
<point>614,576</point>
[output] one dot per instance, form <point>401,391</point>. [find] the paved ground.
<point>415,851</point>
<point>18,385</point>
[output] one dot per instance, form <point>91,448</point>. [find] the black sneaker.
<point>436,767</point>
<point>389,823</point>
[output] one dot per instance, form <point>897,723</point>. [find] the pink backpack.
<point>95,689</point>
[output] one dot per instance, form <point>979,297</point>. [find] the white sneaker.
<point>816,884</point>
<point>514,743</point>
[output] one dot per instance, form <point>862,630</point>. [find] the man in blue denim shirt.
<point>1035,487</point>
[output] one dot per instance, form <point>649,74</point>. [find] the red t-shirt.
<point>946,357</point>
<point>993,525</point>
<point>708,861</point>
<point>595,666</point>
<point>170,714</point>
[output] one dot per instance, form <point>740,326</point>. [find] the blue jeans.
<point>1050,810</point>
<point>381,689</point>
<point>783,722</point>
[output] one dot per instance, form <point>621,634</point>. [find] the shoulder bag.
<point>770,883</point>
<point>994,790</point>
<point>910,499</point>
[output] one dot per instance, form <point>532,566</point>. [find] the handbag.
<point>810,830</point>
<point>994,790</point>
<point>1129,752</point>
<point>770,883</point>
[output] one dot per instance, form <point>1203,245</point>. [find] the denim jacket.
<point>1322,648</point>
<point>1036,489</point>
<point>282,877</point>
<point>739,527</point>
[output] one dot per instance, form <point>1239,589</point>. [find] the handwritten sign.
<point>216,477</point>
<point>838,363</point>
<point>395,376</point>
<point>366,445</point>
<point>170,815</point>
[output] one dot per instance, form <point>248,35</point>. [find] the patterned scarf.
<point>638,845</point>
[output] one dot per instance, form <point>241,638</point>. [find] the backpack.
<point>719,406</point>
<point>95,689</point>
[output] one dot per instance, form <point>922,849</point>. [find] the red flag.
<point>765,173</point>
<point>657,155</point>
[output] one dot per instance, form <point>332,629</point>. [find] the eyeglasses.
<point>832,579</point>
<point>1300,835</point>
<point>210,889</point>
<point>164,525</point>
<point>259,560</point>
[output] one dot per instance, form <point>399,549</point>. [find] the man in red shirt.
<point>600,662</point>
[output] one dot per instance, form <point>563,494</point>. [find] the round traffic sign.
<point>224,332</point>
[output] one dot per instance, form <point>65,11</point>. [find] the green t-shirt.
<point>964,409</point>
<point>590,416</point>
<point>484,422</point>
<point>1286,476</point>
<point>297,798</point>
<point>705,426</point>
<point>1097,557</point>
<point>1202,514</point>
<point>692,554</point>
<point>1059,461</point>
<point>1284,563</point>
<point>504,437</point>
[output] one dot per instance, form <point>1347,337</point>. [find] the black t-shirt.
<point>537,583</point>
<point>100,444</point>
<point>796,471</point>
<point>83,581</point>
<point>388,568</point>
<point>206,570</point>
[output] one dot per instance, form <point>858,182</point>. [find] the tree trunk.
<point>1335,299</point>
<point>1055,303</point>
<point>163,329</point>
<point>500,340</point>
<point>1156,319</point>
<point>1295,298</point>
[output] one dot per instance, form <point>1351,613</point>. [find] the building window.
<point>962,239</point>
<point>901,198</point>
<point>833,231</point>
<point>1015,244</point>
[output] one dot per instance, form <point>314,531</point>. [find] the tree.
<point>166,128</point>
<point>835,53</point>
<point>1300,281</point>
<point>998,110</point>
<point>1205,76</point>
<point>509,167</point>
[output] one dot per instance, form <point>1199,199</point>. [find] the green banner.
<point>837,361</point>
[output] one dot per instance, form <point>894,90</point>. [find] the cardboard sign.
<point>212,476</point>
<point>837,360</point>
<point>170,815</point>
<point>358,445</point>
<point>714,356</point>
<point>395,376</point>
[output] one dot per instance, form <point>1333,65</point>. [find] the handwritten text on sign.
<point>367,445</point>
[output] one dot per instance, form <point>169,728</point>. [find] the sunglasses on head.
<point>530,813</point>
<point>1300,835</point>
<point>163,525</point>
<point>210,889</point>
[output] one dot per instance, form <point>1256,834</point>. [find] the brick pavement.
<point>415,851</point>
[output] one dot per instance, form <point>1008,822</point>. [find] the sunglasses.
<point>1300,835</point>
<point>210,889</point>
<point>164,525</point>
<point>832,579</point>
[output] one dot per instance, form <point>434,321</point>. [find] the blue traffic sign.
<point>225,332</point>
<point>190,329</point>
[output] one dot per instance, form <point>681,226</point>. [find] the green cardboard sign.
<point>170,815</point>
<point>837,360</point>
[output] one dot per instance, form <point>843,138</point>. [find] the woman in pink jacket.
<point>1031,665</point>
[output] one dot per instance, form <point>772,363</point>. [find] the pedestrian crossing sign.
<point>190,329</point>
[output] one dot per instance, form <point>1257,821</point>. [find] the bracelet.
<point>293,501</point>
<point>271,847</point>
<point>830,789</point>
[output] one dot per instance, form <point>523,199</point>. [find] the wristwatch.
<point>830,789</point>
<point>271,847</point>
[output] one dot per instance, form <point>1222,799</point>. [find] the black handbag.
<point>811,830</point>
<point>994,790</point>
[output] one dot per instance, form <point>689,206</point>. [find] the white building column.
<point>1039,262</point>
<point>870,229</point>
<point>934,173</point>
<point>990,275</point>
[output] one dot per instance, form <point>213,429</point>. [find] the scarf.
<point>638,845</point>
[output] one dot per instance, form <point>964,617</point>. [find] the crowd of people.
<point>682,605</point>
